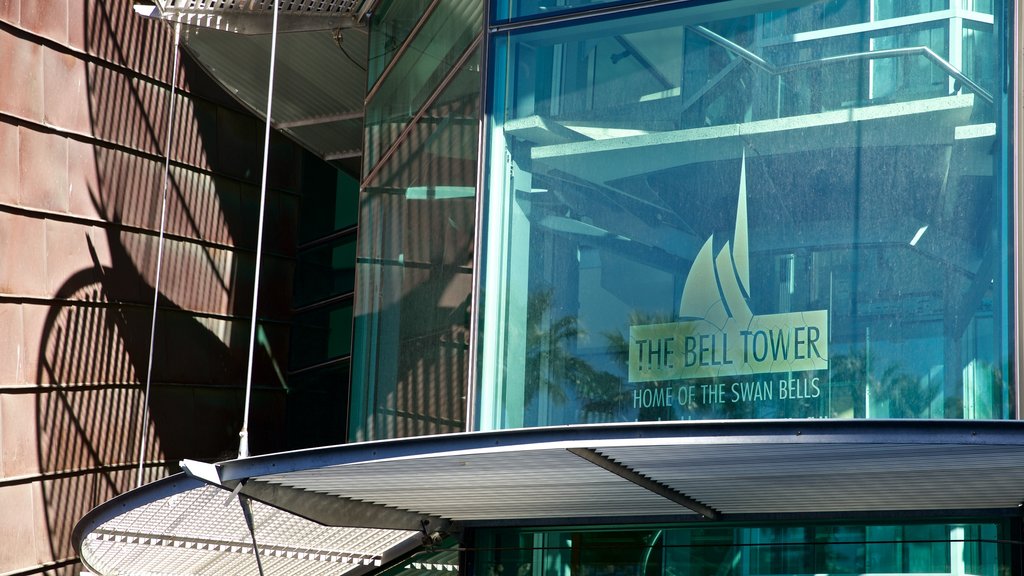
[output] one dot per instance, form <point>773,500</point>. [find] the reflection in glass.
<point>853,149</point>
<point>326,270</point>
<point>391,24</point>
<point>414,272</point>
<point>444,36</point>
<point>964,549</point>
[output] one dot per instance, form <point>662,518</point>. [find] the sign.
<point>718,335</point>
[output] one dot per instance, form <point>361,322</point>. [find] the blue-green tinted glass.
<point>315,412</point>
<point>330,202</point>
<point>444,37</point>
<point>712,212</point>
<point>504,10</point>
<point>975,549</point>
<point>415,253</point>
<point>390,25</point>
<point>825,14</point>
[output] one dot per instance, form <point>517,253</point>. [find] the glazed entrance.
<point>933,549</point>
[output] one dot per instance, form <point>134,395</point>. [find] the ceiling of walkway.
<point>319,72</point>
<point>350,508</point>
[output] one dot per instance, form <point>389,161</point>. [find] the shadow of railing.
<point>95,344</point>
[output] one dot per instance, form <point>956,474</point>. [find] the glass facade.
<point>427,58</point>
<point>953,549</point>
<point>742,210</point>
<point>417,218</point>
<point>320,352</point>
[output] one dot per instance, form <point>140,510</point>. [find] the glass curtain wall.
<point>954,549</point>
<point>321,342</point>
<point>747,210</point>
<point>417,219</point>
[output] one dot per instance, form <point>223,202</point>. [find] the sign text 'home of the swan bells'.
<point>719,337</point>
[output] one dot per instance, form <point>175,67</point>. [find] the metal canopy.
<point>253,16</point>
<point>750,471</point>
<point>320,77</point>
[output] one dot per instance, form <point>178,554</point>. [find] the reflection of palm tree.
<point>618,347</point>
<point>552,366</point>
<point>850,382</point>
<point>904,394</point>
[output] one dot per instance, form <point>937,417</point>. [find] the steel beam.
<point>595,457</point>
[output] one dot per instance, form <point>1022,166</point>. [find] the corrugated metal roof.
<point>529,484</point>
<point>319,84</point>
<point>745,471</point>
<point>320,70</point>
<point>202,531</point>
<point>754,478</point>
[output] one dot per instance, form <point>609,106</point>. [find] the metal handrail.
<point>770,68</point>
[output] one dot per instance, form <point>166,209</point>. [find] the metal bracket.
<point>594,457</point>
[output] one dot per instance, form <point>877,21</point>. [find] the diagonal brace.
<point>646,483</point>
<point>323,509</point>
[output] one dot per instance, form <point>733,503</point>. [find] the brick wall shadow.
<point>94,350</point>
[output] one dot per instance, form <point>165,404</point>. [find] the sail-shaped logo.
<point>717,334</point>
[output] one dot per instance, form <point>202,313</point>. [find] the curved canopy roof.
<point>351,508</point>
<point>320,74</point>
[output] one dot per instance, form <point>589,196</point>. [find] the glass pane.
<point>322,334</point>
<point>325,271</point>
<point>983,6</point>
<point>390,25</point>
<point>444,37</point>
<point>898,8</point>
<point>415,273</point>
<point>329,201</point>
<point>505,10</point>
<point>706,212</point>
<point>316,414</point>
<point>933,549</point>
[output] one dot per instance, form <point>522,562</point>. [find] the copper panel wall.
<point>84,94</point>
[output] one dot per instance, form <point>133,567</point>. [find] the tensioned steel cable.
<point>243,442</point>
<point>144,424</point>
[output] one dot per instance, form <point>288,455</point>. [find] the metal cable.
<point>243,442</point>
<point>144,417</point>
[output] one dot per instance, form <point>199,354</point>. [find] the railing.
<point>774,70</point>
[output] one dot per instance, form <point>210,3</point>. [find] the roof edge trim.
<point>817,431</point>
<point>163,488</point>
<point>250,23</point>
